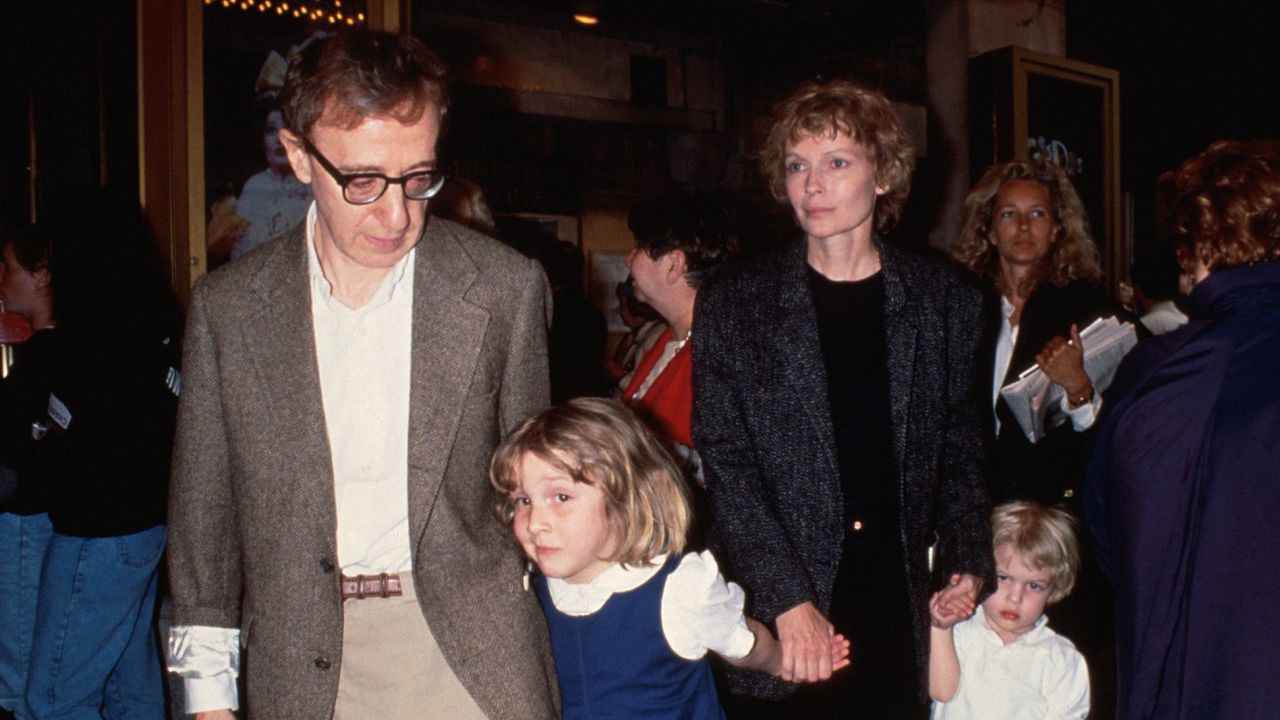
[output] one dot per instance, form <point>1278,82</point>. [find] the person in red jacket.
<point>680,239</point>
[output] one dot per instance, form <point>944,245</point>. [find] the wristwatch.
<point>1076,401</point>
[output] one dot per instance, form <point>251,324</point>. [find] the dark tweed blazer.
<point>252,528</point>
<point>762,426</point>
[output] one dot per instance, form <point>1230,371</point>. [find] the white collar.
<point>1006,307</point>
<point>580,599</point>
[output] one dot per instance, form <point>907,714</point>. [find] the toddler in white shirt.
<point>1005,662</point>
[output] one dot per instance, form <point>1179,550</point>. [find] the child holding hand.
<point>1005,662</point>
<point>599,505</point>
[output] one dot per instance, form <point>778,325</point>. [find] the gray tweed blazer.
<point>762,426</point>
<point>252,524</point>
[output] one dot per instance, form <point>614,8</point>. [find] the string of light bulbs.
<point>317,11</point>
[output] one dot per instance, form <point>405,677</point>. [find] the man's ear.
<point>299,158</point>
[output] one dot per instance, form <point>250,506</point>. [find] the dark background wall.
<point>1190,73</point>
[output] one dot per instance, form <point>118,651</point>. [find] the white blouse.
<point>700,610</point>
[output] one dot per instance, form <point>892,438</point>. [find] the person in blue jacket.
<point>1183,489</point>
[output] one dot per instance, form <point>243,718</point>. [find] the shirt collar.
<point>586,598</point>
<point>320,284</point>
<point>1006,307</point>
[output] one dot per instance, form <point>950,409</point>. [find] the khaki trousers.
<point>392,667</point>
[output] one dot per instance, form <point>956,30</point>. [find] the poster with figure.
<point>251,194</point>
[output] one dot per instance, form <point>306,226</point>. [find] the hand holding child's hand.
<point>804,635</point>
<point>954,603</point>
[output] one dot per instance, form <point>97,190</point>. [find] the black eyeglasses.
<point>366,187</point>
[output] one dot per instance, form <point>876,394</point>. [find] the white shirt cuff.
<point>208,661</point>
<point>213,693</point>
<point>1083,417</point>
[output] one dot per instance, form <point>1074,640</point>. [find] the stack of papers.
<point>1036,402</point>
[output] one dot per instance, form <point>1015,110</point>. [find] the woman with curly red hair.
<point>1184,484</point>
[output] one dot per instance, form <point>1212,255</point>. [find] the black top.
<point>851,333</point>
<point>24,398</point>
<point>111,418</point>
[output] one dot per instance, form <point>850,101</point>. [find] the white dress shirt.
<point>1082,418</point>
<point>700,611</point>
<point>1164,317</point>
<point>1040,675</point>
<point>364,357</point>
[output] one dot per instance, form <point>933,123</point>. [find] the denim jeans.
<point>95,653</point>
<point>23,539</point>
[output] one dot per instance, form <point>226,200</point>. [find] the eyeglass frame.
<point>345,179</point>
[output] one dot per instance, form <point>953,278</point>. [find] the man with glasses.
<point>343,388</point>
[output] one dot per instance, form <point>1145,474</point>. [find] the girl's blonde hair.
<point>1044,536</point>
<point>1072,254</point>
<point>602,443</point>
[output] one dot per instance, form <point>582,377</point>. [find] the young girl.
<point>1005,662</point>
<point>598,504</point>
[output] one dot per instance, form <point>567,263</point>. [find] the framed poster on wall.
<point>202,65</point>
<point>1030,106</point>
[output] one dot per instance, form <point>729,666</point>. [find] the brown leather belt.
<point>364,586</point>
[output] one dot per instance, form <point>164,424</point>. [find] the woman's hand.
<point>805,636</point>
<point>1063,363</point>
<point>955,602</point>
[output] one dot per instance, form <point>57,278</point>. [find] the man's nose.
<point>393,208</point>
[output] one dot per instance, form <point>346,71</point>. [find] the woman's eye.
<point>839,163</point>
<point>795,167</point>
<point>1038,214</point>
<point>1005,214</point>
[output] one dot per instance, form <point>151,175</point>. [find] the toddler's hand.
<point>952,604</point>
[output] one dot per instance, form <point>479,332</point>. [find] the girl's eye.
<point>563,497</point>
<point>519,501</point>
